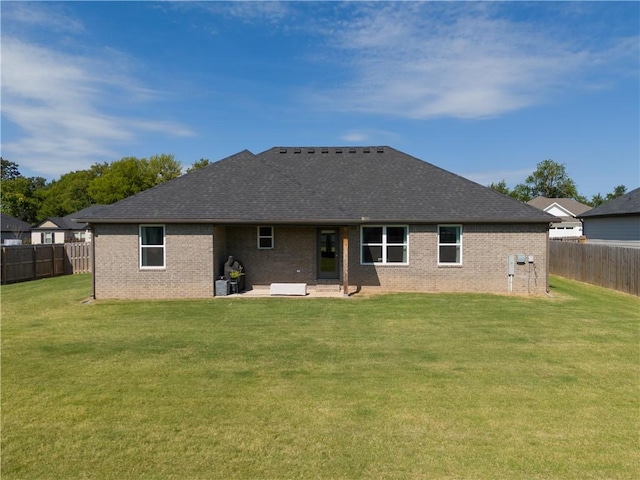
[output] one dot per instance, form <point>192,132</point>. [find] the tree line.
<point>33,199</point>
<point>550,179</point>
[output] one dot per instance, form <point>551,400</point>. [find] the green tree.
<point>598,199</point>
<point>162,168</point>
<point>130,175</point>
<point>8,170</point>
<point>68,194</point>
<point>123,178</point>
<point>549,180</point>
<point>203,162</point>
<point>501,187</point>
<point>21,197</point>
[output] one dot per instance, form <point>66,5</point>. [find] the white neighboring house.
<point>63,229</point>
<point>566,209</point>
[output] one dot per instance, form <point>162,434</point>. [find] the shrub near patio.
<point>388,386</point>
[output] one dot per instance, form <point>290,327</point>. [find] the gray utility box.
<point>222,288</point>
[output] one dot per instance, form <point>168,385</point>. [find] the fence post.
<point>4,265</point>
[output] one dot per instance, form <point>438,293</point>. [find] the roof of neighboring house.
<point>68,222</point>
<point>11,224</point>
<point>627,204</point>
<point>569,204</point>
<point>347,185</point>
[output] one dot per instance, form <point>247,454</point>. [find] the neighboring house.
<point>14,230</point>
<point>370,218</point>
<point>63,229</point>
<point>615,222</point>
<point>566,209</point>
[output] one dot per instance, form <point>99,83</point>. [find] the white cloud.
<point>65,105</point>
<point>367,135</point>
<point>355,137</point>
<point>426,60</point>
<point>34,14</point>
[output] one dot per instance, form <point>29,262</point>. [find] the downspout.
<point>547,289</point>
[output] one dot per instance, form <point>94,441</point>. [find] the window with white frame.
<point>152,246</point>
<point>47,237</point>
<point>450,244</point>
<point>384,244</point>
<point>265,238</point>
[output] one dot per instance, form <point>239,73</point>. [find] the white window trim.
<point>259,237</point>
<point>384,244</point>
<point>450,264</point>
<point>164,246</point>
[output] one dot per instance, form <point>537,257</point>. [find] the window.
<point>152,247</point>
<point>381,244</point>
<point>47,237</point>
<point>450,244</point>
<point>265,238</point>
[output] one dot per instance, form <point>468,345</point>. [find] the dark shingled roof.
<point>10,224</point>
<point>348,185</point>
<point>68,222</point>
<point>569,204</point>
<point>627,204</point>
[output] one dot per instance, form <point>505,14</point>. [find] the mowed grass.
<point>398,386</point>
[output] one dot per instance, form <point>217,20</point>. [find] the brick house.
<point>370,218</point>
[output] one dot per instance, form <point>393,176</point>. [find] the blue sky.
<point>486,90</point>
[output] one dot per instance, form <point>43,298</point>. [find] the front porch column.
<point>345,261</point>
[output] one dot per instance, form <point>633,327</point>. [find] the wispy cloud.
<point>63,103</point>
<point>366,135</point>
<point>426,60</point>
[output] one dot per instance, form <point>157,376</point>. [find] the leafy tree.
<point>162,168</point>
<point>68,194</point>
<point>9,170</point>
<point>131,175</point>
<point>21,197</point>
<point>549,180</point>
<point>598,199</point>
<point>123,178</point>
<point>203,162</point>
<point>501,187</point>
<point>618,191</point>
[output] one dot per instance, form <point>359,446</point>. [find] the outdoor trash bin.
<point>222,288</point>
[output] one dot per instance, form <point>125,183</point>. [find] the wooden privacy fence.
<point>21,263</point>
<point>608,266</point>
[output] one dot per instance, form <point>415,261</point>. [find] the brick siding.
<point>485,249</point>
<point>189,263</point>
<point>196,254</point>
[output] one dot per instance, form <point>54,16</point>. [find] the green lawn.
<point>392,387</point>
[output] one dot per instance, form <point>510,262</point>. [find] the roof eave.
<point>317,221</point>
